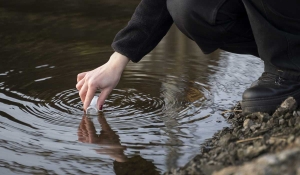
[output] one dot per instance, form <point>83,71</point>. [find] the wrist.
<point>118,61</point>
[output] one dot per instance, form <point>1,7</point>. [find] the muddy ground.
<point>257,143</point>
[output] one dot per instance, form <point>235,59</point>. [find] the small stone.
<point>296,113</point>
<point>222,156</point>
<point>297,141</point>
<point>241,153</point>
<point>255,151</point>
<point>297,120</point>
<point>263,117</point>
<point>263,125</point>
<point>248,123</point>
<point>287,116</point>
<point>205,150</point>
<point>281,121</point>
<point>211,162</point>
<point>255,127</point>
<point>291,122</point>
<point>268,159</point>
<point>275,122</point>
<point>271,141</point>
<point>238,116</point>
<point>288,105</point>
<point>291,139</point>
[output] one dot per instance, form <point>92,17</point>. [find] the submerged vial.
<point>93,109</point>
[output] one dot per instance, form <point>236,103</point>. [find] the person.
<point>267,29</point>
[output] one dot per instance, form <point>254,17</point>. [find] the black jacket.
<point>148,25</point>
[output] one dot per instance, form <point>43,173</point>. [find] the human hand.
<point>105,78</point>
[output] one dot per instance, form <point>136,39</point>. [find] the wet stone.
<point>226,139</point>
<point>291,139</point>
<point>291,122</point>
<point>255,127</point>
<point>288,105</point>
<point>281,121</point>
<point>248,123</point>
<point>296,113</point>
<point>253,136</point>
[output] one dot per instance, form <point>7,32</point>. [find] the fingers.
<point>81,76</point>
<point>80,84</point>
<point>83,91</point>
<point>102,97</point>
<point>89,95</point>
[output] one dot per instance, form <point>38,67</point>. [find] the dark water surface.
<point>162,110</point>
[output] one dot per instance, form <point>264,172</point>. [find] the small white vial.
<point>93,109</point>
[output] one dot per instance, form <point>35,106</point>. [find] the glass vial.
<point>93,109</point>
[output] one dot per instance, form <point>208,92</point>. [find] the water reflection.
<point>162,110</point>
<point>109,144</point>
<point>107,139</point>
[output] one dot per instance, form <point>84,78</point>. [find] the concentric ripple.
<point>157,117</point>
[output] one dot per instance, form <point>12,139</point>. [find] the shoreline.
<point>256,143</point>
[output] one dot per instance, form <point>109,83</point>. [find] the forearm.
<point>148,25</point>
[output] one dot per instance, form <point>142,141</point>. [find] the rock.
<point>257,134</point>
<point>297,120</point>
<point>205,149</point>
<point>288,105</point>
<point>296,113</point>
<point>297,141</point>
<point>241,153</point>
<point>291,139</point>
<point>248,123</point>
<point>291,122</point>
<point>287,116</point>
<point>254,151</point>
<point>255,127</point>
<point>286,162</point>
<point>226,139</point>
<point>263,125</point>
<point>281,121</point>
<point>262,117</point>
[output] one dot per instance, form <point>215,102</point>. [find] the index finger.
<point>81,76</point>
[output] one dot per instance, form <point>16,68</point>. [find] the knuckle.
<point>92,83</point>
<point>77,86</point>
<point>81,93</point>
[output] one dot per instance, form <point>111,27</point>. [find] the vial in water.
<point>92,109</point>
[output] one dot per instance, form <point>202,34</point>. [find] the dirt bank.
<point>257,143</point>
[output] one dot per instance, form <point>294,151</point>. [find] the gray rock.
<point>281,121</point>
<point>262,117</point>
<point>296,113</point>
<point>286,162</point>
<point>248,123</point>
<point>291,139</point>
<point>289,105</point>
<point>226,139</point>
<point>255,127</point>
<point>292,122</point>
<point>254,151</point>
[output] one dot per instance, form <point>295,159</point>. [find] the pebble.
<point>296,113</point>
<point>248,123</point>
<point>281,121</point>
<point>255,127</point>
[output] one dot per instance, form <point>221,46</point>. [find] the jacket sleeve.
<point>148,25</point>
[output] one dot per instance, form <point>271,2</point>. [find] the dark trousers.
<point>269,29</point>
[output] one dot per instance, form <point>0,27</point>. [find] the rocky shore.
<point>256,143</point>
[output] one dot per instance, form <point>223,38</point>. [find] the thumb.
<point>102,97</point>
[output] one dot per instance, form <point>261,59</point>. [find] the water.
<point>156,119</point>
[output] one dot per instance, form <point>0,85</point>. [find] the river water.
<point>156,119</point>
